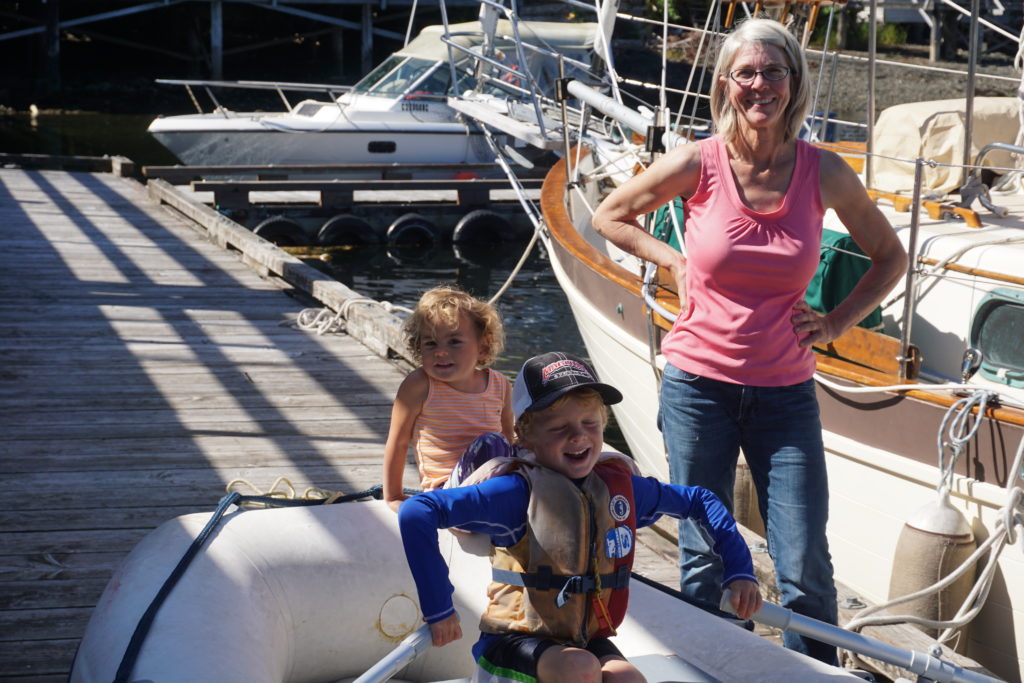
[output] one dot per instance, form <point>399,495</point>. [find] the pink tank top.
<point>745,272</point>
<point>450,420</point>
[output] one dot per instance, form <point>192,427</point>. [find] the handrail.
<point>259,85</point>
<point>1003,146</point>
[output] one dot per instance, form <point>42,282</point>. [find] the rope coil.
<point>327,321</point>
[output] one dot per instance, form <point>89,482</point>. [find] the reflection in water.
<point>82,134</point>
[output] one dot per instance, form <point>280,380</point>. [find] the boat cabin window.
<point>379,72</point>
<point>436,85</point>
<point>308,108</point>
<point>997,332</point>
<point>399,79</point>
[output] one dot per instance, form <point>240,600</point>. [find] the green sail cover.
<point>663,225</point>
<point>838,273</point>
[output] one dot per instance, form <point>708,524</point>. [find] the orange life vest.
<point>568,577</point>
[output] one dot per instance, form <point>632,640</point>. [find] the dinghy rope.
<point>271,498</point>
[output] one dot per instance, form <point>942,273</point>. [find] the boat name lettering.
<point>415,106</point>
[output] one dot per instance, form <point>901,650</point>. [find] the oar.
<point>924,665</point>
<point>415,644</point>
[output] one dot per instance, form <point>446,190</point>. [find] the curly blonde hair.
<point>442,306</point>
<point>584,395</point>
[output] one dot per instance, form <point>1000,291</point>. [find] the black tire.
<point>282,231</point>
<point>412,229</point>
<point>347,230</point>
<point>482,226</point>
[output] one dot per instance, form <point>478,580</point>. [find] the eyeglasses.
<point>772,73</point>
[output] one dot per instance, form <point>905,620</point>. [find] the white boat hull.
<point>453,144</point>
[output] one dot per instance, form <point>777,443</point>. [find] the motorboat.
<point>323,593</point>
<point>922,410</point>
<point>397,114</point>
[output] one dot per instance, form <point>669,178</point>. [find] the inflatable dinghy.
<point>323,593</point>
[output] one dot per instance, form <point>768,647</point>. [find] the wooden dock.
<point>143,369</point>
<point>145,365</point>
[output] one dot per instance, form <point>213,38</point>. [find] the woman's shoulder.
<point>838,179</point>
<point>680,167</point>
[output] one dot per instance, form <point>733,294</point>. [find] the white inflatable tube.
<point>318,594</point>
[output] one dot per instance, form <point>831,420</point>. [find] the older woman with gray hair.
<point>739,359</point>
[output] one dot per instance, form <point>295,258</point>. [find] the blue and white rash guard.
<point>497,507</point>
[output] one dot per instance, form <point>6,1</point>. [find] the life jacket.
<point>568,577</point>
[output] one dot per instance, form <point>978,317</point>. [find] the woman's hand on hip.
<point>811,327</point>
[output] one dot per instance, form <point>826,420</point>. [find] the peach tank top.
<point>450,420</point>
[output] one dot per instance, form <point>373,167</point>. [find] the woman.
<point>740,364</point>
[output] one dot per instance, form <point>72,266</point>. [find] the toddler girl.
<point>453,397</point>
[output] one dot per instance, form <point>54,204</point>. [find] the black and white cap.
<point>544,378</point>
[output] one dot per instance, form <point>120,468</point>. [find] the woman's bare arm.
<point>617,217</point>
<point>842,191</point>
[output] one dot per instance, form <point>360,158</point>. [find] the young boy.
<point>546,619</point>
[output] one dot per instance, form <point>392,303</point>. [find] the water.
<point>534,309</point>
<point>83,134</point>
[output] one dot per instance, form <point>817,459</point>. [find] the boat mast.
<point>972,65</point>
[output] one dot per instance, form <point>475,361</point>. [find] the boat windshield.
<point>395,75</point>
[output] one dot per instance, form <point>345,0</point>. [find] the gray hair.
<point>768,32</point>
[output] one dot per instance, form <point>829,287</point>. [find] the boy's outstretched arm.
<point>497,507</point>
<point>412,392</point>
<point>693,502</point>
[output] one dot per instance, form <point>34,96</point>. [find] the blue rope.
<point>124,671</point>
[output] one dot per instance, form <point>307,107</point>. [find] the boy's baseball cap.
<point>548,376</point>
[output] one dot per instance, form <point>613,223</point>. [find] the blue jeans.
<point>705,423</point>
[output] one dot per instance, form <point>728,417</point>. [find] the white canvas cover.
<point>557,36</point>
<point>935,130</point>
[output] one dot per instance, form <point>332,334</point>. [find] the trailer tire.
<point>481,226</point>
<point>282,231</point>
<point>412,229</point>
<point>347,230</point>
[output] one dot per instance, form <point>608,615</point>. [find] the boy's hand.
<point>395,503</point>
<point>446,631</point>
<point>746,598</point>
